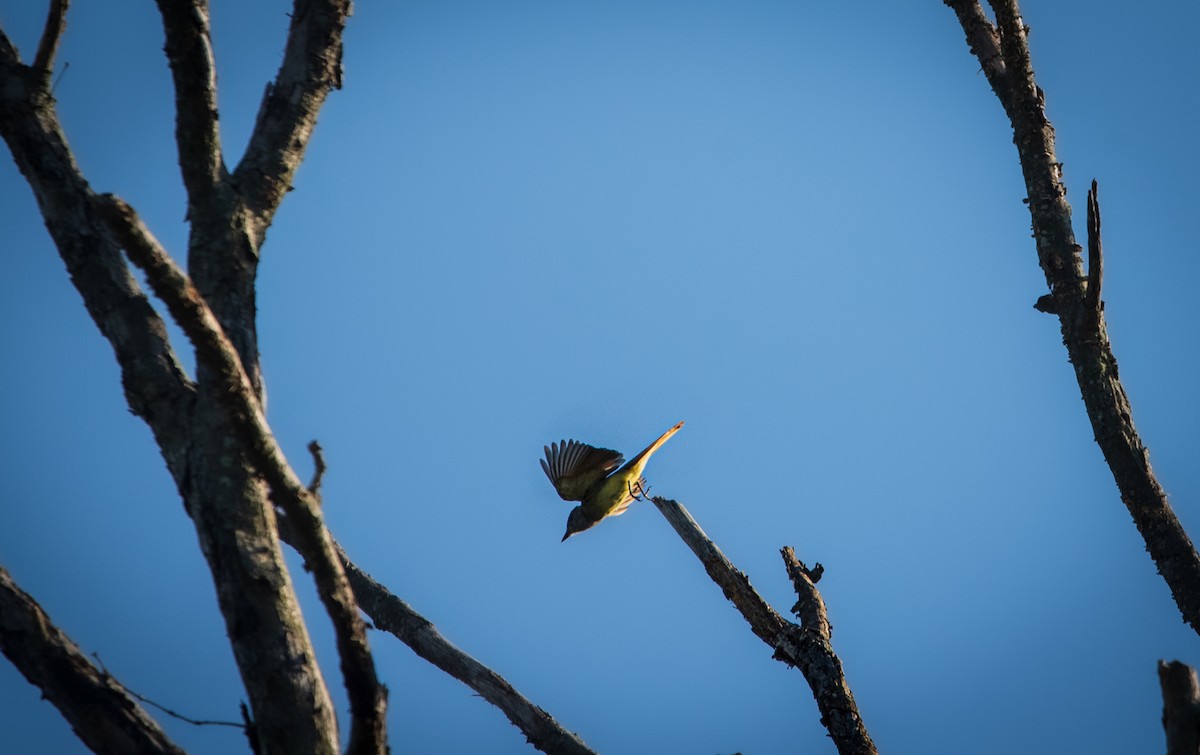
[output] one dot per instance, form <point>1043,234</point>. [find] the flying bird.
<point>584,473</point>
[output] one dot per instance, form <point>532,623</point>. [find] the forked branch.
<point>806,646</point>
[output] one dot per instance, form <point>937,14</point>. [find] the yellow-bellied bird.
<point>580,472</point>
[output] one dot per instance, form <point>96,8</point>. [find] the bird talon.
<point>639,491</point>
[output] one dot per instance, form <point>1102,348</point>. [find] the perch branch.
<point>1082,326</point>
<point>213,349</point>
<point>96,705</point>
<point>806,647</point>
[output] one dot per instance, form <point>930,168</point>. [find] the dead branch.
<point>1078,310</point>
<point>97,706</point>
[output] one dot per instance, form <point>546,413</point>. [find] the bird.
<point>580,472</point>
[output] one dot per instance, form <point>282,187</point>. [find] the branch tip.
<point>1095,252</point>
<point>319,467</point>
<point>56,23</point>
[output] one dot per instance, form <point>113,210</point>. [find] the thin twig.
<point>164,709</point>
<point>319,467</point>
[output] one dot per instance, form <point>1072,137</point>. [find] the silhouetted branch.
<point>1081,321</point>
<point>96,705</point>
<point>214,350</point>
<point>806,647</point>
<point>318,455</point>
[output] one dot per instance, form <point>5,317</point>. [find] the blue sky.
<point>796,226</point>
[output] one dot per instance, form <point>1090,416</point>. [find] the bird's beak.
<point>565,537</point>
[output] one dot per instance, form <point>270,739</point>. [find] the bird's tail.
<point>640,460</point>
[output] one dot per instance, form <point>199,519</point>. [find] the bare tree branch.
<point>1082,325</point>
<point>806,647</point>
<point>391,614</point>
<point>193,69</point>
<point>312,66</point>
<point>56,22</point>
<point>191,312</point>
<point>98,708</point>
<point>1181,707</point>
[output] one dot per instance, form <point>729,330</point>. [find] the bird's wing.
<point>574,467</point>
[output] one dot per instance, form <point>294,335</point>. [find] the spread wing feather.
<point>574,467</point>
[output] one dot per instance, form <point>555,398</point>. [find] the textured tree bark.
<point>98,708</point>
<point>1003,52</point>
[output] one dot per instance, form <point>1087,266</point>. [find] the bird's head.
<point>577,521</point>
